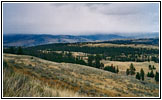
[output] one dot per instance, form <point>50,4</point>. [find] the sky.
<point>80,18</point>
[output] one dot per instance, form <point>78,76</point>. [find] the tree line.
<point>112,68</point>
<point>114,53</point>
<point>93,61</point>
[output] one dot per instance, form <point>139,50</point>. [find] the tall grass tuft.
<point>20,85</point>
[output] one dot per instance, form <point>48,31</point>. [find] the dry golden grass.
<point>21,85</point>
<point>121,45</point>
<point>138,65</point>
<point>123,66</point>
<point>80,79</point>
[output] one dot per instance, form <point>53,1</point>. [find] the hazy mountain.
<point>33,39</point>
<point>103,37</point>
<point>144,35</point>
<point>39,39</point>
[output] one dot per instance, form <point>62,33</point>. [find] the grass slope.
<point>78,79</point>
<point>20,85</point>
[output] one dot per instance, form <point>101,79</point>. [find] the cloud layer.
<point>80,18</point>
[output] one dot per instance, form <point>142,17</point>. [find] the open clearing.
<point>120,45</point>
<point>138,65</point>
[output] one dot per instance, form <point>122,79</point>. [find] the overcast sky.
<point>80,18</point>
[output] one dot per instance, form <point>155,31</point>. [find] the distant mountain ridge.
<point>103,37</point>
<point>40,39</point>
<point>34,39</point>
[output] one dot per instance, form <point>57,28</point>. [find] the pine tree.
<point>127,71</point>
<point>142,74</point>
<point>132,69</point>
<point>138,76</point>
<point>97,61</point>
<point>150,68</point>
<point>117,70</point>
<point>157,77</point>
<point>148,59</point>
<point>150,74</point>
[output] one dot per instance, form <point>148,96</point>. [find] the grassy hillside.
<point>22,74</point>
<point>16,84</point>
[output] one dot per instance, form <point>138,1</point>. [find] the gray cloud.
<point>80,18</point>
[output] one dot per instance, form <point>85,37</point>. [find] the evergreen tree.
<point>151,74</point>
<point>127,71</point>
<point>117,70</point>
<point>150,68</point>
<point>157,77</point>
<point>148,59</point>
<point>142,74</point>
<point>148,74</point>
<point>132,69</point>
<point>97,61</point>
<point>138,76</point>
